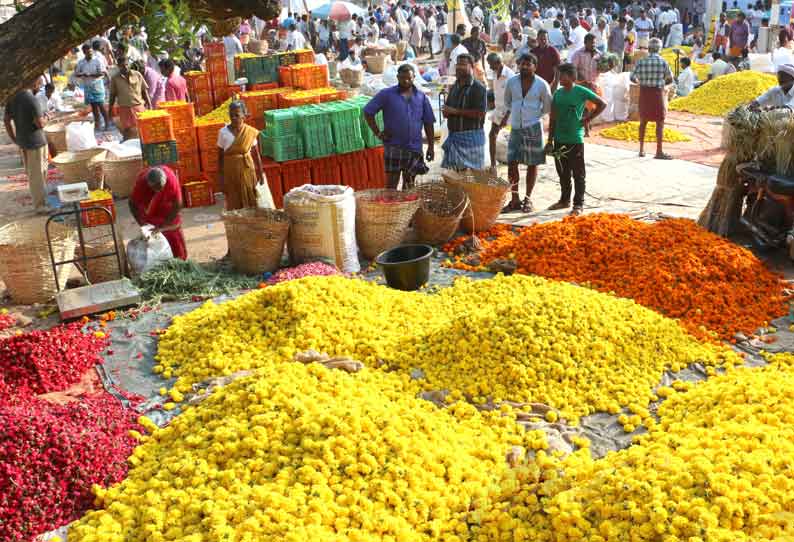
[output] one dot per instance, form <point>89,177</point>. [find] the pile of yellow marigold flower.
<point>721,95</point>
<point>524,339</point>
<point>303,453</point>
<point>701,70</point>
<point>716,467</point>
<point>630,131</point>
<point>219,114</point>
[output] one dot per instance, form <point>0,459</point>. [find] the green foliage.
<point>168,23</point>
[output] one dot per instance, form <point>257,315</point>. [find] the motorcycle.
<point>769,207</point>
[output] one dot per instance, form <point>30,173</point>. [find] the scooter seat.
<point>780,185</point>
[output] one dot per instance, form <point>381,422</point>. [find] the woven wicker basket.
<point>352,78</point>
<point>256,239</point>
<point>376,63</point>
<point>25,265</point>
<point>81,166</point>
<point>100,241</point>
<point>119,174</point>
<point>56,136</point>
<point>486,193</point>
<point>440,209</point>
<point>380,225</point>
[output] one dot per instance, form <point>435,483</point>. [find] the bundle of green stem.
<point>177,280</point>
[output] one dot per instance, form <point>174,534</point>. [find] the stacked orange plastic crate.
<point>207,138</point>
<point>216,66</point>
<point>199,87</point>
<point>183,118</point>
<point>309,76</point>
<point>259,101</point>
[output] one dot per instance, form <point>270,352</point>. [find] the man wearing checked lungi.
<point>528,98</point>
<point>465,113</point>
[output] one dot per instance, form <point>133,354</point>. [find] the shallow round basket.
<point>256,239</point>
<point>79,166</point>
<point>382,218</point>
<point>486,198</point>
<point>25,265</point>
<point>98,241</point>
<point>56,136</point>
<point>440,210</point>
<point>119,174</point>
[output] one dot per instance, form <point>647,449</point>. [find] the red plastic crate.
<point>197,82</point>
<point>375,167</point>
<point>353,167</point>
<point>156,129</point>
<point>217,65</point>
<point>285,76</point>
<point>215,50</point>
<point>97,217</point>
<point>326,170</point>
<point>186,140</point>
<point>272,171</point>
<point>182,114</point>
<point>309,77</point>
<point>207,135</point>
<point>198,194</point>
<point>295,173</point>
<point>261,86</point>
<point>189,165</point>
<point>209,160</point>
<point>304,56</point>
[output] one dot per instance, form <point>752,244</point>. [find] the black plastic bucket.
<point>406,267</point>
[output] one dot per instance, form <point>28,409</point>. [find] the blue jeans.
<point>343,50</point>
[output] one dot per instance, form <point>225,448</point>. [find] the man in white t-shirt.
<point>457,49</point>
<point>577,35</point>
<point>477,16</point>
<point>719,67</point>
<point>295,39</point>
<point>345,29</point>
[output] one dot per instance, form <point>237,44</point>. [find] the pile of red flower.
<point>51,454</point>
<point>44,361</point>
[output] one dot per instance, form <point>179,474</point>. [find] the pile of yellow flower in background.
<point>219,114</point>
<point>152,113</point>
<point>701,70</point>
<point>302,453</point>
<point>525,339</point>
<point>723,94</point>
<point>99,195</point>
<point>630,131</point>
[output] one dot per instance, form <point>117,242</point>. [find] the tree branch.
<point>35,38</point>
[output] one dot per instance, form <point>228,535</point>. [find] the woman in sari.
<point>239,162</point>
<point>157,200</point>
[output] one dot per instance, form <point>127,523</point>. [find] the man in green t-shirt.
<point>566,135</point>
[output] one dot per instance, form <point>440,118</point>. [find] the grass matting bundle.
<point>754,136</point>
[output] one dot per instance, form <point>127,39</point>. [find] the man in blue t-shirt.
<point>405,112</point>
<point>566,135</point>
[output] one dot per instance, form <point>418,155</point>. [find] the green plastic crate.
<point>315,130</point>
<point>281,149</point>
<point>369,137</point>
<point>262,69</point>
<point>281,122</point>
<point>345,126</point>
<point>156,154</point>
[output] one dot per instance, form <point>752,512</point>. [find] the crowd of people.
<point>536,68</point>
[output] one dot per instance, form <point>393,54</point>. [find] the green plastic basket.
<point>281,122</point>
<point>281,149</point>
<point>346,126</point>
<point>156,154</point>
<point>316,131</point>
<point>369,137</point>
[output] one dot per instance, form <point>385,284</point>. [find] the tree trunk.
<point>33,39</point>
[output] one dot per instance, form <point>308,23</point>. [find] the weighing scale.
<point>94,297</point>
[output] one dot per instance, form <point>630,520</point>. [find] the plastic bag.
<point>264,199</point>
<point>80,136</point>
<point>147,250</point>
<point>323,225</point>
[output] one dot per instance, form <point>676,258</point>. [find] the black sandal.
<point>526,205</point>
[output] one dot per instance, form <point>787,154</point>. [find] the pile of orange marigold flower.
<point>714,287</point>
